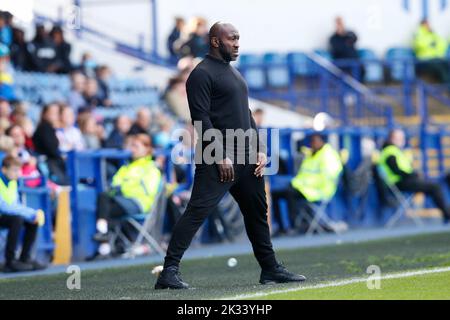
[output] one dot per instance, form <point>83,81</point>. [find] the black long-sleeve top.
<point>218,99</point>
<point>45,140</point>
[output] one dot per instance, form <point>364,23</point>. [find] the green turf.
<point>212,278</point>
<point>421,287</point>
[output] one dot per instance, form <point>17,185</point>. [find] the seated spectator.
<point>28,128</point>
<point>62,48</point>
<point>92,133</point>
<point>29,163</point>
<point>173,41</point>
<point>198,43</point>
<point>5,109</point>
<point>5,28</point>
<point>258,116</point>
<point>399,171</point>
<point>117,136</point>
<point>78,83</point>
<point>176,96</point>
<point>133,190</point>
<point>20,56</point>
<point>91,95</point>
<point>343,46</point>
<point>316,181</point>
<point>88,65</point>
<point>15,217</point>
<point>103,75</point>
<point>69,136</point>
<point>42,51</point>
<point>142,123</point>
<point>4,125</point>
<point>46,143</point>
<point>431,50</point>
<point>6,75</point>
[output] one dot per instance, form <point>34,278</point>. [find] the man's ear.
<point>215,42</point>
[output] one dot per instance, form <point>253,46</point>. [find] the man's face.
<point>229,43</point>
<point>316,143</point>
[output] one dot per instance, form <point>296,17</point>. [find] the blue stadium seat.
<point>398,59</point>
<point>277,70</point>
<point>252,68</point>
<point>300,64</point>
<point>373,70</point>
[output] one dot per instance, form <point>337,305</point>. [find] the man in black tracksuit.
<point>218,100</point>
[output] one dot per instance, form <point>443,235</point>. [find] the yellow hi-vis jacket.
<point>140,181</point>
<point>10,202</point>
<point>404,163</point>
<point>429,45</point>
<point>317,178</point>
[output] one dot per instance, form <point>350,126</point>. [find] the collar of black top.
<point>216,59</point>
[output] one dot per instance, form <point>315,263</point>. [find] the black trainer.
<point>17,266</point>
<point>279,274</point>
<point>170,278</point>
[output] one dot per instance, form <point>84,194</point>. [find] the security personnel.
<point>431,50</point>
<point>316,181</point>
<point>14,216</point>
<point>399,171</point>
<point>133,191</point>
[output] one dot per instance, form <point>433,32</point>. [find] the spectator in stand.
<point>198,43</point>
<point>78,82</point>
<point>28,128</point>
<point>142,123</point>
<point>133,190</point>
<point>20,56</point>
<point>6,75</point>
<point>431,49</point>
<point>92,96</point>
<point>103,75</point>
<point>258,116</point>
<point>43,51</point>
<point>69,136</point>
<point>173,42</point>
<point>46,143</point>
<point>343,47</point>
<point>176,96</point>
<point>15,217</point>
<point>63,50</point>
<point>5,28</point>
<point>91,131</point>
<point>5,109</point>
<point>116,139</point>
<point>88,64</point>
<point>4,125</point>
<point>29,163</point>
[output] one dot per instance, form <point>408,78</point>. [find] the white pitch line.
<point>340,283</point>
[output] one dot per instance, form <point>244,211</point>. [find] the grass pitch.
<point>213,279</point>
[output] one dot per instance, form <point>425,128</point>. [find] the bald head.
<point>224,41</point>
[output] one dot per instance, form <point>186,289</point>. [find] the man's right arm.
<point>199,90</point>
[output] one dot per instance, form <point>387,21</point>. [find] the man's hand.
<point>260,164</point>
<point>226,170</point>
<point>40,218</point>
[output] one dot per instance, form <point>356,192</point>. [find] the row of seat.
<point>278,69</point>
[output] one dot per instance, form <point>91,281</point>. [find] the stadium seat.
<point>398,59</point>
<point>252,68</point>
<point>277,70</point>
<point>299,64</point>
<point>373,71</point>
